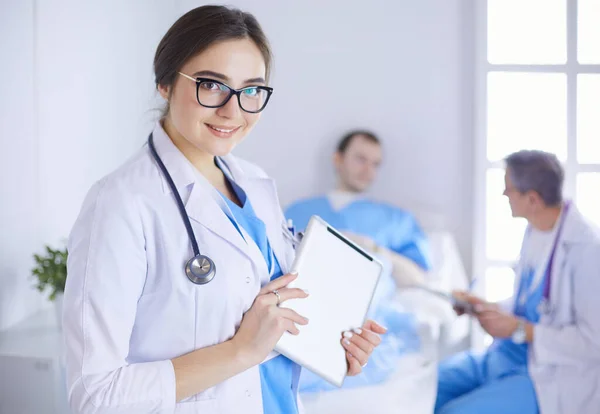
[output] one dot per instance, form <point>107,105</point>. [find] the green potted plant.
<point>50,272</point>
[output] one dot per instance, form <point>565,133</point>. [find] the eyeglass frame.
<point>232,92</point>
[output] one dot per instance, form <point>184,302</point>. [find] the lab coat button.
<point>248,394</point>
<point>247,279</point>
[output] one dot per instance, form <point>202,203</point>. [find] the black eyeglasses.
<point>214,94</point>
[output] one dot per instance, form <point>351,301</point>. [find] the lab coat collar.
<point>575,230</point>
<point>576,227</point>
<point>205,205</point>
<point>180,169</point>
<point>202,201</point>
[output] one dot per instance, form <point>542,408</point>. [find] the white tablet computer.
<point>341,279</point>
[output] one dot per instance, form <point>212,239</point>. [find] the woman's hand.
<point>265,322</point>
<point>359,345</point>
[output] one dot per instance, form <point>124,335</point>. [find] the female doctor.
<point>147,329</point>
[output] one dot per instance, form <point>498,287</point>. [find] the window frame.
<point>572,69</point>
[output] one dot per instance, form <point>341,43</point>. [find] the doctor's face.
<point>216,131</point>
<point>357,166</point>
<point>521,204</point>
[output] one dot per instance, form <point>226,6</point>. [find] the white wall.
<point>95,93</point>
<point>76,100</point>
<point>19,185</point>
<point>80,100</point>
<point>401,68</point>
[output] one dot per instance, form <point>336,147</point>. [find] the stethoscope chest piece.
<point>200,269</point>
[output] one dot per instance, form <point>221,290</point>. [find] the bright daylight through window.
<point>538,87</point>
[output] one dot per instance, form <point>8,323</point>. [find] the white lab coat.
<point>564,359</point>
<point>129,307</point>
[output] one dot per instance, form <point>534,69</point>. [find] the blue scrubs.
<point>279,376</point>
<point>394,229</point>
<point>497,381</point>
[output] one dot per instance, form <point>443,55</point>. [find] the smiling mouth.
<point>226,130</point>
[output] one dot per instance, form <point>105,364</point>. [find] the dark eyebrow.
<point>224,78</point>
<point>211,74</point>
<point>254,80</point>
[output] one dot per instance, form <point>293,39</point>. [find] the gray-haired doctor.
<point>546,351</point>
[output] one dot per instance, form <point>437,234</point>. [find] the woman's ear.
<point>165,92</point>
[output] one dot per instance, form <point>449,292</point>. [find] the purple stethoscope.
<point>545,304</point>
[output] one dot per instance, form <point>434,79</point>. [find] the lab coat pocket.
<point>579,389</point>
<point>164,327</point>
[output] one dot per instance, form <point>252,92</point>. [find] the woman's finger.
<point>356,351</point>
<point>292,328</point>
<point>374,327</point>
<point>361,342</point>
<point>354,367</point>
<point>292,316</point>
<point>272,298</point>
<point>291,293</point>
<point>368,335</point>
<point>278,283</point>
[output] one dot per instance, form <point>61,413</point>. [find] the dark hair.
<point>538,171</point>
<point>347,139</point>
<point>197,30</point>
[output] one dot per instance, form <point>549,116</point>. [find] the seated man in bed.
<point>390,233</point>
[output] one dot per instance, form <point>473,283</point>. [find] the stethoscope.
<point>201,269</point>
<point>545,306</point>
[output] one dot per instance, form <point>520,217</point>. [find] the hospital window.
<point>537,87</point>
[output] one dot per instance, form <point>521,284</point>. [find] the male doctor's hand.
<point>496,322</point>
<point>471,299</point>
<point>360,344</point>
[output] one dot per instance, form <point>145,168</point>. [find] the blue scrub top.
<point>279,376</point>
<point>529,310</point>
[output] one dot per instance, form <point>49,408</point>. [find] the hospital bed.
<point>412,386</point>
